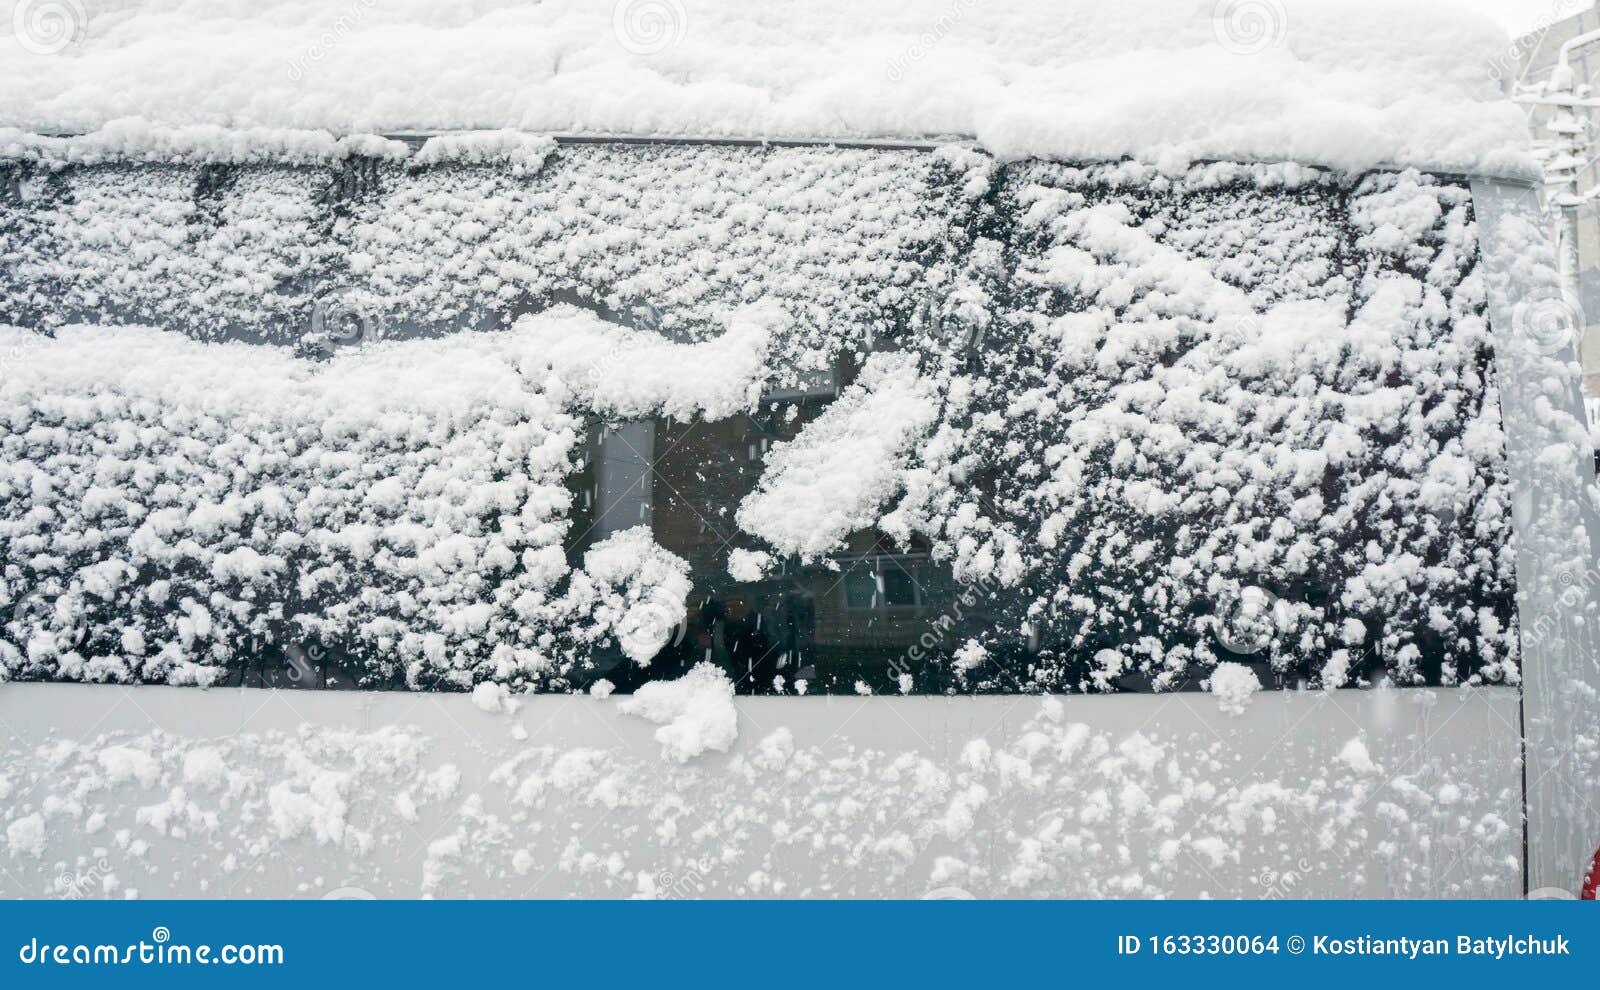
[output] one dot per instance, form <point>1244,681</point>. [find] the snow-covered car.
<point>1055,475</point>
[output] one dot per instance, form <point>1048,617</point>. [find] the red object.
<point>1591,882</point>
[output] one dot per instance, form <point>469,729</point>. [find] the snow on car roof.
<point>1350,84</point>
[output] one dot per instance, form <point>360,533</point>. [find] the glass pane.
<point>861,590</point>
<point>898,589</point>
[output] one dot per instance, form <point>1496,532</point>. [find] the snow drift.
<point>1350,84</point>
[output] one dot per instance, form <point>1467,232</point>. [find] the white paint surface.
<point>175,792</point>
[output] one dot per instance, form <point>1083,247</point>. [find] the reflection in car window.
<point>876,617</point>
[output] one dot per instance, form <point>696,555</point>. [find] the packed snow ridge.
<point>1348,83</point>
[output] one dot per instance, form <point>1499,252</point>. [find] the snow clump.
<point>696,712</point>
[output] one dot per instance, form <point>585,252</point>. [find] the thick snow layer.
<point>1342,82</point>
<point>670,239</point>
<point>633,374</point>
<point>1226,380</point>
<point>174,506</point>
<point>1110,398</point>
